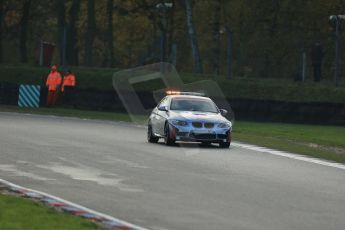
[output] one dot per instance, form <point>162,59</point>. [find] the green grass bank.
<point>17,213</point>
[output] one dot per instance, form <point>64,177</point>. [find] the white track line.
<point>283,154</point>
<point>289,155</point>
<point>256,148</point>
<point>250,147</point>
<point>74,205</point>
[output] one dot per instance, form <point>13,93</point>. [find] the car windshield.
<point>193,104</point>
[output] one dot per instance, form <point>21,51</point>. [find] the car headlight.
<point>179,122</point>
<point>224,125</point>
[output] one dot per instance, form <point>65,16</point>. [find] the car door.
<point>157,117</point>
<point>162,116</point>
<point>153,119</point>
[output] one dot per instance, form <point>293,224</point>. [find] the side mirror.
<point>163,108</point>
<point>223,112</point>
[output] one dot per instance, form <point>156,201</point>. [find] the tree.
<point>171,29</point>
<point>109,52</point>
<point>268,35</point>
<point>72,49</point>
<point>1,25</point>
<point>24,22</point>
<point>90,33</point>
<point>193,38</point>
<point>216,36</point>
<point>61,17</point>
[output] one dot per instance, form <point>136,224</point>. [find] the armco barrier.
<point>8,93</point>
<point>244,109</point>
<point>29,96</point>
<point>289,112</point>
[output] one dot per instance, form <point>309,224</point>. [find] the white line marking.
<point>241,145</point>
<point>289,155</point>
<point>294,156</point>
<point>74,205</point>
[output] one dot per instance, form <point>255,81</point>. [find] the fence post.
<point>304,64</point>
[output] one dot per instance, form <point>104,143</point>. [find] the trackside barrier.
<point>246,109</point>
<point>8,93</point>
<point>29,96</point>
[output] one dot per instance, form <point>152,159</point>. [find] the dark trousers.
<point>68,95</point>
<point>52,97</point>
<point>317,73</point>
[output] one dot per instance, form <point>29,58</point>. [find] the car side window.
<point>163,102</point>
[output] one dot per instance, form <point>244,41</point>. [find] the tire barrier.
<point>29,96</point>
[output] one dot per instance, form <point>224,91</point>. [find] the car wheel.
<point>150,136</point>
<point>168,140</point>
<point>224,145</point>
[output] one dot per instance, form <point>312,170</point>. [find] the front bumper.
<point>201,135</point>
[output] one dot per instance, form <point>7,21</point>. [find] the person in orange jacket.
<point>68,85</point>
<point>53,83</point>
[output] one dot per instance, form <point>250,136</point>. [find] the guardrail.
<point>245,109</point>
<point>8,93</point>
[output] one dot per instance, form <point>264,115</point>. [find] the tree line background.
<point>267,36</point>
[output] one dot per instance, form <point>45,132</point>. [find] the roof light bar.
<point>172,92</point>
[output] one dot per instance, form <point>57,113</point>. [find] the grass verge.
<point>325,142</point>
<point>18,213</point>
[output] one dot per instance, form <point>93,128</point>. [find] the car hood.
<point>197,116</point>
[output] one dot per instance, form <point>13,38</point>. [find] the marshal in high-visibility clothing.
<point>68,80</point>
<point>53,83</point>
<point>68,86</point>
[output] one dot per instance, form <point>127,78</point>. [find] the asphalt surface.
<point>109,167</point>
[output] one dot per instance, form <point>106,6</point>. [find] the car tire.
<point>168,140</point>
<point>150,136</point>
<point>224,145</point>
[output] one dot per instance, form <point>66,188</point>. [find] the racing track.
<point>109,167</point>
